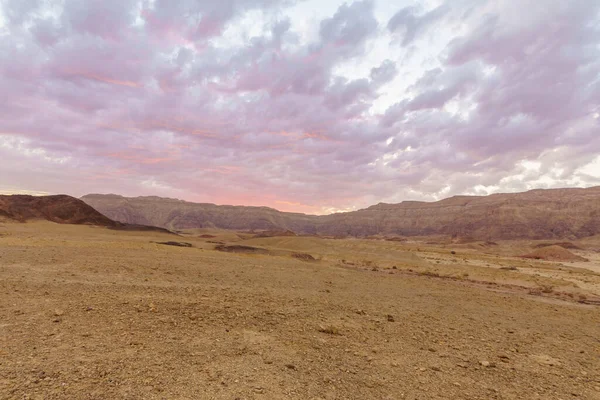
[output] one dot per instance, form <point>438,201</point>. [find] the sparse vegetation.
<point>547,288</point>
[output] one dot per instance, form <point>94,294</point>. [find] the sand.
<point>89,313</point>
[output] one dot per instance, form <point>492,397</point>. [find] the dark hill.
<point>61,209</point>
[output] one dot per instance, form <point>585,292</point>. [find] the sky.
<point>311,106</point>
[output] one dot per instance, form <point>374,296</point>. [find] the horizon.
<point>299,105</point>
<point>38,194</point>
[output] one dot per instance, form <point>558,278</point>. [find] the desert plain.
<point>93,313</point>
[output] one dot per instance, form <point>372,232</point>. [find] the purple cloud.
<point>256,103</point>
<point>411,23</point>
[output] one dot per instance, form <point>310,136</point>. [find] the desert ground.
<point>93,313</point>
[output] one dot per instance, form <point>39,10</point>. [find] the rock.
<point>436,368</point>
<point>390,318</point>
<point>487,364</point>
<point>58,312</point>
<point>544,359</point>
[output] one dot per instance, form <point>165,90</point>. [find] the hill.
<point>61,209</point>
<point>177,214</point>
<point>554,253</point>
<point>536,214</point>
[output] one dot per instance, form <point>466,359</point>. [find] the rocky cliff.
<point>537,214</point>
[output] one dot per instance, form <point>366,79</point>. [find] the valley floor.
<point>90,313</point>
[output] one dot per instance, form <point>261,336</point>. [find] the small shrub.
<point>303,257</point>
<point>547,288</point>
<point>430,273</point>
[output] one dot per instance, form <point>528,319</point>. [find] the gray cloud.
<point>138,98</point>
<point>411,23</point>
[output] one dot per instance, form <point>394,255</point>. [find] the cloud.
<point>411,23</point>
<point>350,26</point>
<point>256,102</point>
<point>384,73</point>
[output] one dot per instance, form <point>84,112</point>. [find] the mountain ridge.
<point>535,214</point>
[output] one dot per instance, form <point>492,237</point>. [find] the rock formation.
<point>536,214</point>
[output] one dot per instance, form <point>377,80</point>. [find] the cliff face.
<point>537,214</point>
<point>176,214</point>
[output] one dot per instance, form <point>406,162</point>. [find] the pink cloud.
<point>158,108</point>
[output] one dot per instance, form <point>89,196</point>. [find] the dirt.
<point>275,233</point>
<point>553,253</point>
<point>241,249</point>
<point>565,245</point>
<point>396,239</point>
<point>91,313</point>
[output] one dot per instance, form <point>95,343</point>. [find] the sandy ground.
<point>89,313</point>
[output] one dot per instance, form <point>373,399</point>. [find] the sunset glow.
<point>301,105</point>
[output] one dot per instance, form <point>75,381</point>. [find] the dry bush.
<point>547,288</point>
<point>303,257</point>
<point>430,273</point>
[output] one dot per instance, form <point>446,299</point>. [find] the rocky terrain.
<point>537,214</point>
<point>88,312</point>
